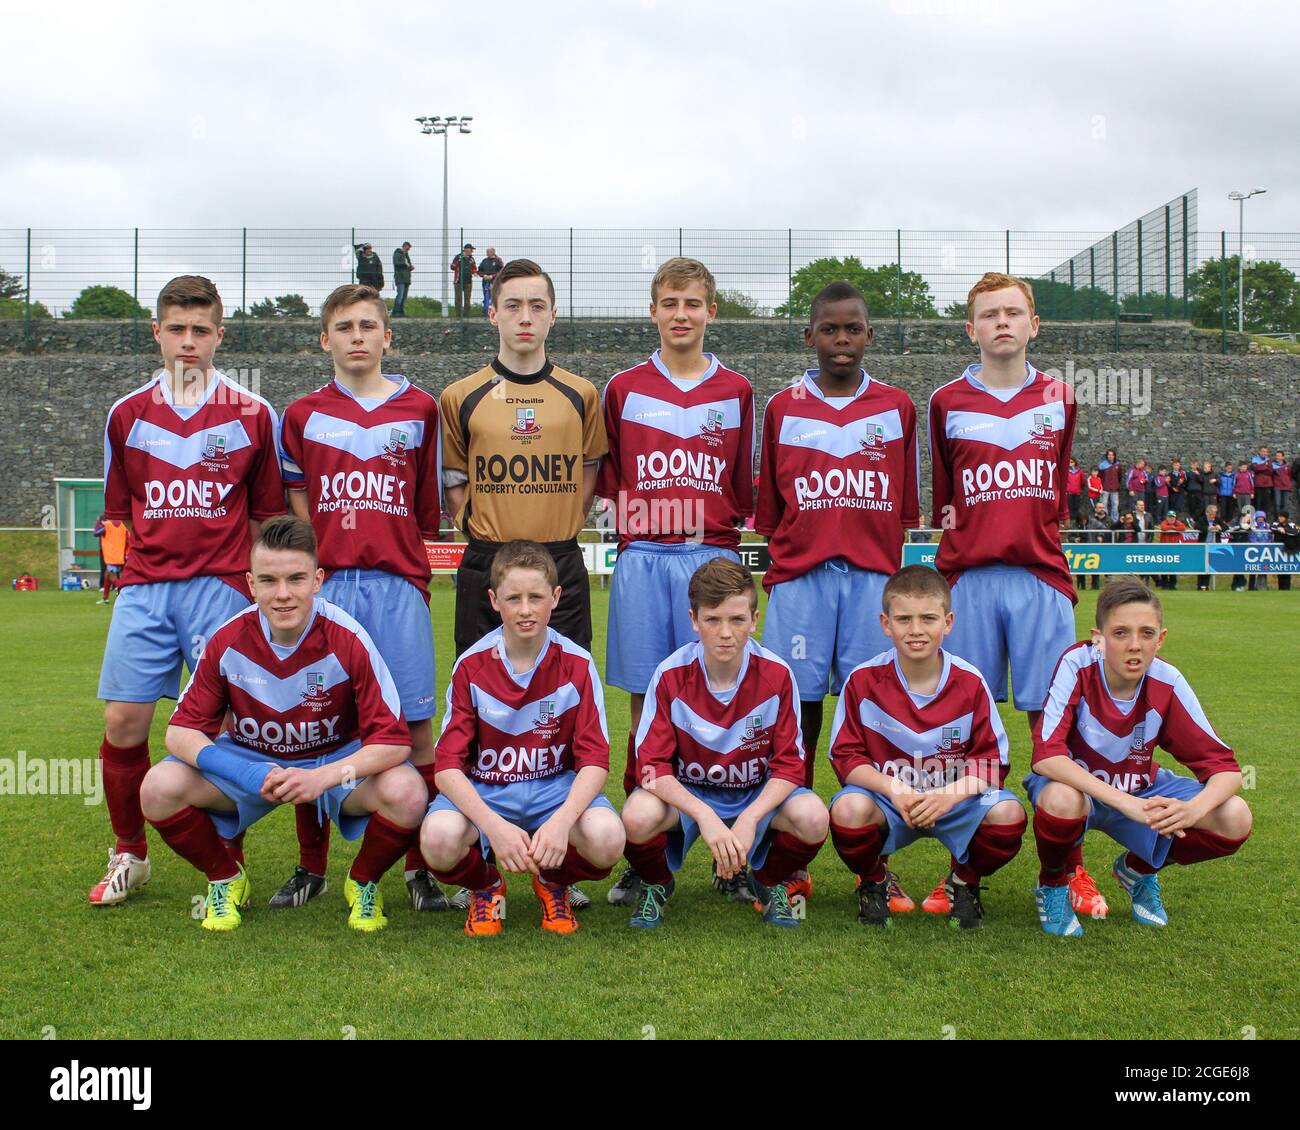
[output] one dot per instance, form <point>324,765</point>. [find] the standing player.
<point>680,472</point>
<point>1112,701</point>
<point>316,719</point>
<point>190,466</point>
<point>521,444</point>
<point>523,756</point>
<point>920,750</point>
<point>720,756</point>
<point>1000,439</point>
<point>360,459</point>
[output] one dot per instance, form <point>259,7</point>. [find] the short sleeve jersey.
<point>372,473</point>
<point>681,454</point>
<point>520,444</point>
<point>735,739</point>
<point>189,478</point>
<point>1000,459</point>
<point>1116,740</point>
<point>837,479</point>
<point>926,741</point>
<point>504,728</point>
<point>299,701</point>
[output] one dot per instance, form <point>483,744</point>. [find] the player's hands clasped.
<point>729,849</point>
<point>550,843</point>
<point>926,809</point>
<point>293,786</point>
<point>1167,816</point>
<point>512,848</point>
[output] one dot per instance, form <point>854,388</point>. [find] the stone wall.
<point>1185,405</point>
<point>596,335</point>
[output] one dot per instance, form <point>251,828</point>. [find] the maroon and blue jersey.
<point>926,741</point>
<point>294,702</point>
<point>189,477</point>
<point>681,454</point>
<point>1116,740</point>
<point>1000,460</point>
<point>504,728</point>
<point>735,739</point>
<point>373,476</point>
<point>837,478</point>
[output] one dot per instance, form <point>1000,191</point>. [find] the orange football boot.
<point>1084,896</point>
<point>557,914</point>
<point>486,909</point>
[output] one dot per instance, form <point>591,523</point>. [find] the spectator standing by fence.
<point>1212,534</point>
<point>1243,488</point>
<point>1227,499</point>
<point>1177,479</point>
<point>370,268</point>
<point>1286,532</point>
<point>402,270</point>
<point>1194,491</point>
<point>1172,528</point>
<point>463,270</point>
<point>487,271</point>
<point>1112,482</point>
<point>1074,492</point>
<point>1094,489</point>
<point>1282,483</point>
<point>1261,468</point>
<point>1136,484</point>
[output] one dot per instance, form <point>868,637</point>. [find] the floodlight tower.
<point>434,125</point>
<point>1241,198</point>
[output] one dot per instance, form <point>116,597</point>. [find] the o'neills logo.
<point>526,423</point>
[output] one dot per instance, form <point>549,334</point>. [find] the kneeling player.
<point>1111,703</point>
<point>523,756</point>
<point>316,718</point>
<point>920,749</point>
<point>719,754</point>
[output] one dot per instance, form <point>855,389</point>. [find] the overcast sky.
<point>952,115</point>
<point>913,113</point>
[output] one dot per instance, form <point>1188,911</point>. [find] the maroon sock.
<point>786,855</point>
<point>575,868</point>
<point>629,771</point>
<point>1056,838</point>
<point>992,846</point>
<point>313,838</point>
<point>383,845</point>
<point>860,850</point>
<point>649,860</point>
<point>414,857</point>
<point>1199,845</point>
<point>236,848</point>
<point>1137,863</point>
<point>473,872</point>
<point>122,769</point>
<point>192,835</point>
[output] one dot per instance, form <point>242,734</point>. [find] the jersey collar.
<point>658,362</point>
<point>370,403</point>
<point>971,376</point>
<point>810,382</point>
<point>185,411</point>
<point>525,677</point>
<point>726,696</point>
<point>528,379</point>
<point>923,699</point>
<point>283,651</point>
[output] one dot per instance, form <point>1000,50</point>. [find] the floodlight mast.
<point>1241,198</point>
<point>435,125</point>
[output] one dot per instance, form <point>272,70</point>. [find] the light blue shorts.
<point>1003,613</point>
<point>1140,839</point>
<point>395,615</point>
<point>527,804</point>
<point>824,624</point>
<point>156,627</point>
<point>649,609</point>
<point>954,829</point>
<point>727,804</point>
<point>251,806</point>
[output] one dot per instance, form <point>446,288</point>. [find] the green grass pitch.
<point>1224,968</point>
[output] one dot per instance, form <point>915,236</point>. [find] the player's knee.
<point>641,815</point>
<point>402,795</point>
<point>441,844</point>
<point>854,810</point>
<point>1061,800</point>
<point>1006,812</point>
<point>812,823</point>
<point>1234,818</point>
<point>127,724</point>
<point>159,794</point>
<point>605,838</point>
